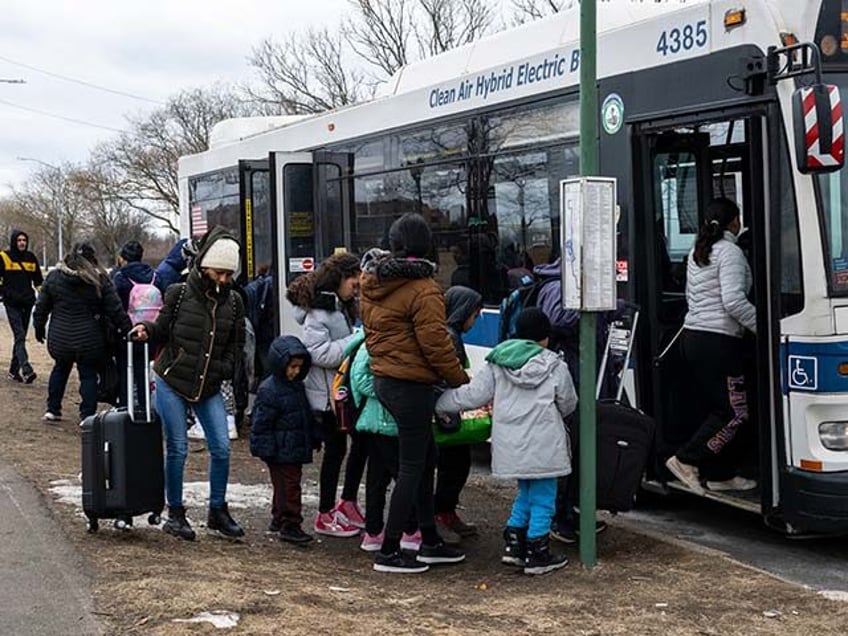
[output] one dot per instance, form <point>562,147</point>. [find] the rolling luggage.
<point>123,473</point>
<point>625,434</point>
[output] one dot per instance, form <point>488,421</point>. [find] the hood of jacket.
<point>13,241</point>
<point>392,273</point>
<point>280,353</point>
<point>216,233</point>
<point>137,272</point>
<point>549,270</point>
<point>525,362</point>
<point>196,278</point>
<point>460,304</point>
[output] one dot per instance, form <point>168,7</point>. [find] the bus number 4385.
<point>675,40</point>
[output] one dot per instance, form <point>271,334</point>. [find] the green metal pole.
<point>588,320</point>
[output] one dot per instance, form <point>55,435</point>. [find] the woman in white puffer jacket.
<point>718,280</point>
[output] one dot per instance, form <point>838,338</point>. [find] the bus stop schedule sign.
<point>587,210</point>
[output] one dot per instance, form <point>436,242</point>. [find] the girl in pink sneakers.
<point>325,304</point>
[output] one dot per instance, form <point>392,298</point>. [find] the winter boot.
<point>220,521</point>
<point>177,524</point>
<point>539,559</point>
<point>515,546</point>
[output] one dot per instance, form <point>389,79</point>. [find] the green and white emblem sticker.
<point>612,113</point>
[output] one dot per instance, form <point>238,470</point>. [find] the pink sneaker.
<point>371,542</point>
<point>351,514</point>
<point>332,525</point>
<point>411,541</point>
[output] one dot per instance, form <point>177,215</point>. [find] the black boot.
<point>219,520</point>
<point>515,546</point>
<point>177,524</point>
<point>539,559</point>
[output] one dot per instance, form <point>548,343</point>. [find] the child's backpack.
<point>524,296</point>
<point>145,301</point>
<point>341,396</point>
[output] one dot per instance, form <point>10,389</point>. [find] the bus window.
<point>300,230</point>
<point>677,214</point>
<point>214,200</point>
<point>263,236</point>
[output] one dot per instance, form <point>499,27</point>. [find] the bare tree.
<point>451,23</point>
<point>529,10</point>
<point>379,33</point>
<point>306,73</point>
<point>145,157</point>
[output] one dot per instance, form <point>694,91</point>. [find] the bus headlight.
<point>834,435</point>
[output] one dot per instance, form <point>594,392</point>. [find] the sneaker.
<point>274,527</point>
<point>455,523</point>
<point>196,431</point>
<point>447,533</point>
<point>399,562</point>
<point>293,533</point>
<point>687,474</point>
<point>30,377</point>
<point>411,541</point>
<point>439,553</point>
<point>49,416</point>
<point>351,513</point>
<point>737,483</point>
<point>331,524</point>
<point>15,377</point>
<point>372,542</point>
<point>564,532</point>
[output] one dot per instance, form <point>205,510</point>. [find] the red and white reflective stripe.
<point>815,156</point>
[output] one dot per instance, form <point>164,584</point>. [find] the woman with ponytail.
<point>718,280</point>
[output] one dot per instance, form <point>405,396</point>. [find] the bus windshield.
<point>833,191</point>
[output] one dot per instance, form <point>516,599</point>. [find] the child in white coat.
<point>532,394</point>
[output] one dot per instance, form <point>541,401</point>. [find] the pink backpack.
<point>145,301</point>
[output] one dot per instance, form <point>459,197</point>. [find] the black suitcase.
<point>123,472</point>
<point>625,434</point>
<point>625,437</point>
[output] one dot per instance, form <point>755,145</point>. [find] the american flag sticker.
<point>198,222</point>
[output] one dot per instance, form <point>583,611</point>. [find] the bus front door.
<point>254,191</point>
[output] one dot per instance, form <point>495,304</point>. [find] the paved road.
<point>821,564</point>
<point>42,592</point>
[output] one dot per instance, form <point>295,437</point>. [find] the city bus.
<point>477,141</point>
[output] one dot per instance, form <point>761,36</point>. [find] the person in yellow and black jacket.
<point>201,330</point>
<point>21,276</point>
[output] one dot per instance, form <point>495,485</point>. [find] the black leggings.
<point>335,448</point>
<point>382,469</point>
<point>411,404</point>
<point>454,466</point>
<point>717,366</point>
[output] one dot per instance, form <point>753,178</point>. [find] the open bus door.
<point>255,200</point>
<point>680,166</point>
<point>334,200</point>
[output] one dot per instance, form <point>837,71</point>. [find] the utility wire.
<point>79,81</point>
<point>62,117</point>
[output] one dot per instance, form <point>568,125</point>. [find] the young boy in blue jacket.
<point>281,433</point>
<point>531,391</point>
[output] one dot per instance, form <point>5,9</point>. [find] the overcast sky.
<point>151,49</point>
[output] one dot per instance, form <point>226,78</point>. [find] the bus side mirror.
<point>819,136</point>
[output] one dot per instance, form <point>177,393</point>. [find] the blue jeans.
<point>87,387</point>
<point>18,317</point>
<point>534,506</point>
<point>212,416</point>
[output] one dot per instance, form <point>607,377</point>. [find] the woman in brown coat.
<point>403,311</point>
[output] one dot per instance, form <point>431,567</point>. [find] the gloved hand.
<point>39,334</point>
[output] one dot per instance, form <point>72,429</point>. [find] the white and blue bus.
<point>477,141</point>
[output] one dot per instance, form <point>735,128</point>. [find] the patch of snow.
<point>835,595</point>
<point>221,620</point>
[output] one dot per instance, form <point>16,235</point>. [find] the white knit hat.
<point>223,254</point>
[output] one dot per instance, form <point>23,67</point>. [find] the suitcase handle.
<point>107,465</point>
<point>131,378</point>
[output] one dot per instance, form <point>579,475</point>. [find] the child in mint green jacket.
<point>379,432</point>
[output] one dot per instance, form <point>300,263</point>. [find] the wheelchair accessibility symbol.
<point>803,373</point>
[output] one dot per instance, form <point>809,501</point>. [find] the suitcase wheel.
<point>91,525</point>
<point>123,524</point>
<point>154,519</point>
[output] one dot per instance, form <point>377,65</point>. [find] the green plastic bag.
<point>475,427</point>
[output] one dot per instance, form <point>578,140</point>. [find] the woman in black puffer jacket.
<point>76,295</point>
<point>201,328</point>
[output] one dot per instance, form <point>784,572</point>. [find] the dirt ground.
<point>144,579</point>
